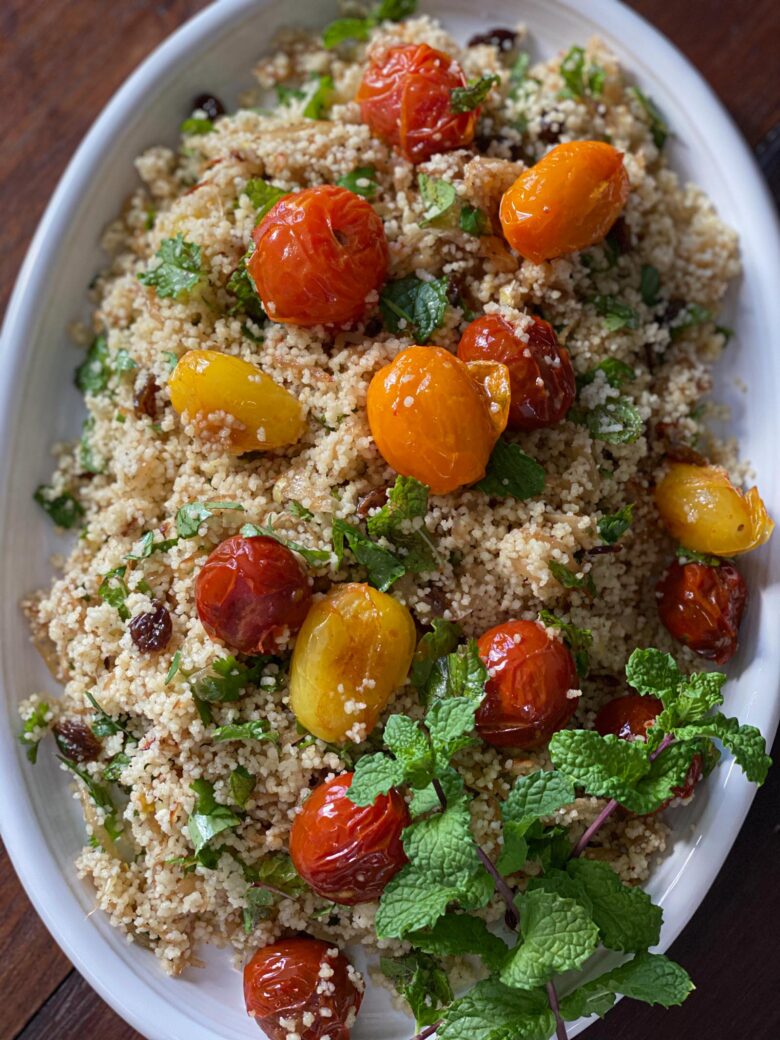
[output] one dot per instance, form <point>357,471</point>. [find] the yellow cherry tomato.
<point>234,402</point>
<point>352,652</point>
<point>702,509</point>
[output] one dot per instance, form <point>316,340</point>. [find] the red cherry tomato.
<point>541,376</point>
<point>288,986</point>
<point>702,607</point>
<point>318,254</point>
<point>531,673</point>
<point>629,718</point>
<point>250,592</point>
<point>344,851</point>
<point>406,99</point>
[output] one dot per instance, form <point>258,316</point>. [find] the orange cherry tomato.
<point>405,98</point>
<point>318,254</point>
<point>541,376</point>
<point>437,419</point>
<point>348,852</point>
<point>629,718</point>
<point>569,200</point>
<point>531,673</point>
<point>302,986</point>
<point>250,592</point>
<point>702,607</point>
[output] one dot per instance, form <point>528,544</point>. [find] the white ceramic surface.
<point>41,824</point>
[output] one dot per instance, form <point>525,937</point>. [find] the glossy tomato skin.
<point>541,376</point>
<point>284,981</point>
<point>405,97</point>
<point>629,718</point>
<point>531,673</point>
<point>435,418</point>
<point>318,254</point>
<point>250,591</point>
<point>347,852</point>
<point>568,201</point>
<point>702,607</point>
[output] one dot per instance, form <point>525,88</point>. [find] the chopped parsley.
<point>178,270</point>
<point>208,818</point>
<point>466,99</point>
<point>617,315</point>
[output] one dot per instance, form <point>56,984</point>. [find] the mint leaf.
<point>613,526</point>
<point>511,473</point>
<point>654,674</point>
<point>442,639</point>
<point>474,221</point>
<point>690,317</point>
<point>345,29</point>
<point>605,766</point>
<point>659,128</point>
<point>402,522</point>
<point>466,673</point>
<point>438,197</point>
<point>412,749</point>
<point>578,640</point>
<point>615,421</point>
<point>466,99</point>
<point>190,516</point>
<point>257,729</point>
<point>697,695</point>
<point>422,982</point>
<point>539,794</point>
<point>242,783</point>
<point>229,679</point>
<point>257,907</point>
<point>94,372</point>
<point>241,285</point>
<point>28,737</point>
<point>570,580</point>
<point>208,819</point>
<point>178,271</point>
<point>100,796</point>
<point>626,917</point>
<point>361,181</point>
<point>384,568</point>
<point>615,372</point>
<point>691,556</point>
<point>276,870</point>
<point>375,775</point>
<point>263,195</point>
<point>414,308</point>
<point>746,743</point>
<point>64,510</point>
<point>456,935</point>
<point>491,1011</point>
<point>649,284</point>
<point>451,725</point>
<point>649,977</point>
<point>114,591</point>
<point>578,79</point>
<point>314,557</point>
<point>315,94</point>
<point>558,935</point>
<point>196,126</point>
<point>427,799</point>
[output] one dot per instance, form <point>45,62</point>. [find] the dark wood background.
<point>60,61</point>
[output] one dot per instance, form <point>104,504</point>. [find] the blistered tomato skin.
<point>436,418</point>
<point>318,254</point>
<point>251,593</point>
<point>405,98</point>
<point>285,983</point>
<point>541,376</point>
<point>702,509</point>
<point>352,652</point>
<point>531,672</point>
<point>347,852</point>
<point>702,607</point>
<point>629,718</point>
<point>568,201</point>
<point>234,403</point>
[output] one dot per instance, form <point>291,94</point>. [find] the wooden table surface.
<point>60,61</point>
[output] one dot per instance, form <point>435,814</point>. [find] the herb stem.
<point>440,792</point>
<point>428,1031</point>
<point>560,1025</point>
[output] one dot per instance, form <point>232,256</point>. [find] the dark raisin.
<point>372,500</point>
<point>373,327</point>
<point>455,290</point>
<point>145,397</point>
<point>209,104</point>
<point>620,235</point>
<point>675,448</point>
<point>550,129</point>
<point>151,632</point>
<point>504,39</point>
<point>76,741</point>
<point>672,310</point>
<point>603,550</point>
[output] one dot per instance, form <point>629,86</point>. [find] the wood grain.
<point>60,61</point>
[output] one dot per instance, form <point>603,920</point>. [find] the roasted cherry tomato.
<point>406,99</point>
<point>437,419</point>
<point>702,607</point>
<point>541,376</point>
<point>569,200</point>
<point>702,509</point>
<point>235,403</point>
<point>629,718</point>
<point>531,673</point>
<point>318,254</point>
<point>348,852</point>
<point>302,987</point>
<point>250,593</point>
<point>351,655</point>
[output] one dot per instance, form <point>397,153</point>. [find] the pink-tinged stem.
<point>560,1025</point>
<point>428,1031</point>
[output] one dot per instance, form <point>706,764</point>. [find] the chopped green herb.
<point>314,557</point>
<point>690,556</point>
<point>439,198</point>
<point>241,285</point>
<point>171,358</point>
<point>299,510</point>
<point>466,99</point>
<point>196,126</point>
<point>617,315</point>
<point>190,517</point>
<point>174,668</point>
<point>87,458</point>
<point>616,421</point>
<point>613,526</point>
<point>402,522</point>
<point>519,71</point>
<point>28,737</point>
<point>229,679</point>
<point>178,271</point>
<point>474,221</point>
<point>258,904</point>
<point>94,372</point>
<point>113,771</point>
<point>689,317</point>
<point>361,181</point>
<point>440,641</point>
<point>100,796</point>
<point>105,725</point>
<point>570,580</point>
<point>359,28</point>
<point>579,79</point>
<point>615,372</point>
<point>257,729</point>
<point>263,195</point>
<point>242,783</point>
<point>208,818</point>
<point>579,640</point>
<point>423,983</point>
<point>414,308</point>
<point>315,95</point>
<point>114,591</point>
<point>649,284</point>
<point>659,129</point>
<point>384,567</point>
<point>64,509</point>
<point>511,473</point>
